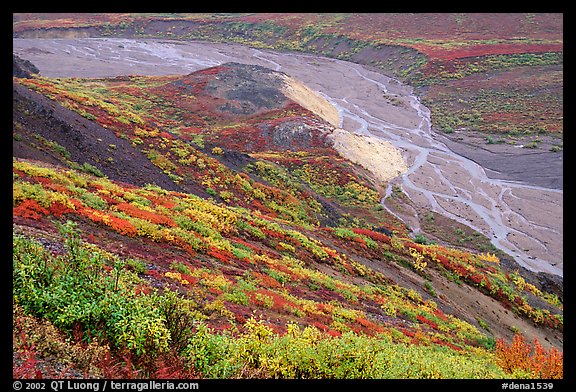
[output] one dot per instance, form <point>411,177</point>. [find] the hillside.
<point>206,225</point>
<point>494,73</point>
<point>492,82</point>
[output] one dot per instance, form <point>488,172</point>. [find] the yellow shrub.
<point>176,276</point>
<point>61,198</point>
<point>418,263</point>
<point>492,258</point>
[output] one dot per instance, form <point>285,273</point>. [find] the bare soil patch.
<point>536,165</point>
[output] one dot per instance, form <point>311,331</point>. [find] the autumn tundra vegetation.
<point>236,251</point>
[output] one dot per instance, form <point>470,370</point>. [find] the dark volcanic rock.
<point>23,68</point>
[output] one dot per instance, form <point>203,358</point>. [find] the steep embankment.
<point>376,155</point>
<point>379,157</point>
<point>46,131</point>
<point>307,98</point>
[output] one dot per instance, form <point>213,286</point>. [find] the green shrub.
<point>88,168</point>
<point>421,239</point>
<point>344,233</point>
<point>237,296</point>
<point>181,267</point>
<point>240,254</point>
<point>180,316</point>
<point>308,353</point>
<point>74,289</point>
<point>135,323</point>
<point>92,200</point>
<point>488,342</point>
<point>211,353</point>
<point>25,190</point>
<point>483,324</point>
<point>430,288</point>
<point>137,266</point>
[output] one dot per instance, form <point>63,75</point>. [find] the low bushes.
<point>76,290</point>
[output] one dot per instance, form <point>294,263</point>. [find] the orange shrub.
<point>122,226</point>
<point>520,355</point>
<point>146,215</point>
<point>59,209</point>
<point>372,234</point>
<point>266,280</point>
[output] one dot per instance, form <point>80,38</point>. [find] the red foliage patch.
<point>58,209</point>
<point>240,319</point>
<point>190,279</point>
<point>440,314</point>
<point>320,326</point>
<point>266,280</point>
<point>161,200</point>
<point>372,234</point>
<point>142,289</point>
<point>333,332</point>
<point>122,226</point>
<point>424,320</point>
<point>242,242</point>
<point>43,180</point>
<point>146,215</point>
<point>119,225</point>
<point>30,209</point>
<point>221,255</point>
<point>182,243</point>
<point>280,303</point>
<point>154,274</point>
<point>410,244</point>
<point>444,261</point>
<point>447,344</point>
<point>88,212</point>
<point>272,233</point>
<point>447,53</point>
<point>476,278</point>
<point>360,241</point>
<point>369,327</point>
<point>212,71</point>
<point>365,323</point>
<point>20,173</point>
<point>108,199</point>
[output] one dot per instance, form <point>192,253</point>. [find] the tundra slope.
<point>257,97</point>
<point>369,103</point>
<point>235,272</point>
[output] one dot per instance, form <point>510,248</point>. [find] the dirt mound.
<point>257,108</point>
<point>245,89</point>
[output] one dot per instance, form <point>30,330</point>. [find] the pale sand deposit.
<point>377,156</point>
<point>298,92</point>
<point>524,220</point>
